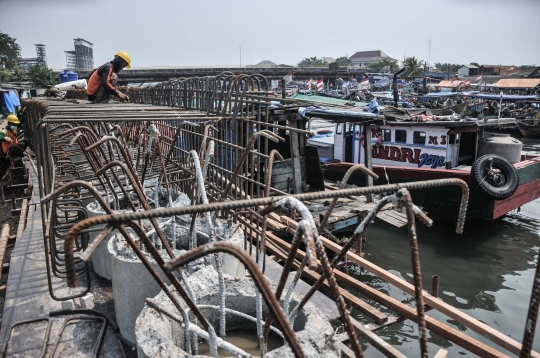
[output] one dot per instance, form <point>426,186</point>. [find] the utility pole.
<point>429,54</point>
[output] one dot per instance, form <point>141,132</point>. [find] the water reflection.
<point>487,272</point>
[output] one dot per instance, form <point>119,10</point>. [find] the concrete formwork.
<point>132,283</point>
<point>100,257</point>
<point>223,232</point>
<point>160,336</point>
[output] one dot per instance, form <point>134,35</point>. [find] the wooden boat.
<point>411,151</point>
<point>529,128</point>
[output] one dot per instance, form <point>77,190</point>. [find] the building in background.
<point>499,70</point>
<point>363,59</point>
<point>82,58</point>
<point>328,59</point>
<point>467,70</point>
<point>41,58</point>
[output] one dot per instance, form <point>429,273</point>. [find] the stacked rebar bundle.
<point>215,139</point>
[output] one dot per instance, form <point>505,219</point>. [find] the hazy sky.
<point>209,32</point>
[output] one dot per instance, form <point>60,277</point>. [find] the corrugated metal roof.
<point>518,83</point>
<point>448,84</point>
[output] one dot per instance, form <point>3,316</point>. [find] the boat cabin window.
<point>454,138</point>
<point>387,135</point>
<point>401,135</point>
<point>419,137</point>
<point>338,128</point>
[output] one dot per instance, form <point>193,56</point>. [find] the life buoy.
<point>495,176</point>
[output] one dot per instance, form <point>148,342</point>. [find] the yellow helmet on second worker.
<point>125,56</point>
<point>13,119</point>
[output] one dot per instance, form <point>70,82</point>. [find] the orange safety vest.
<point>7,145</point>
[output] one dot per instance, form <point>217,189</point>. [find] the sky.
<point>215,32</point>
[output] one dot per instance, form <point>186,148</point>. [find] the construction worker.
<point>8,136</point>
<point>102,82</point>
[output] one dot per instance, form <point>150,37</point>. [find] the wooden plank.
<point>295,154</point>
<point>452,312</point>
<point>392,221</point>
<point>349,298</point>
<point>22,219</point>
<point>346,351</point>
<point>392,217</point>
<point>410,313</point>
<point>368,162</point>
<point>376,341</point>
<point>275,225</point>
<point>442,353</point>
<point>4,237</point>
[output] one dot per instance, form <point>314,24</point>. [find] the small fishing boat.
<point>529,128</point>
<point>499,177</point>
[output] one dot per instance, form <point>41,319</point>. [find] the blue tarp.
<point>382,83</point>
<point>12,100</point>
<point>505,97</point>
<point>435,95</point>
<point>373,107</point>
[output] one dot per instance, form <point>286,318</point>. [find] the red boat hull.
<point>443,201</point>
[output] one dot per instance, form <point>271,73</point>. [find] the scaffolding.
<point>82,58</point>
<point>71,60</point>
<point>84,52</point>
<point>41,54</point>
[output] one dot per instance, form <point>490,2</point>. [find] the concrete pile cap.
<point>159,336</point>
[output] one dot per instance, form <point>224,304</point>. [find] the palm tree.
<point>413,66</point>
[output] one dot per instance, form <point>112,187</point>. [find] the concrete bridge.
<point>160,74</point>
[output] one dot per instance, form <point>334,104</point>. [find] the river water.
<point>487,272</point>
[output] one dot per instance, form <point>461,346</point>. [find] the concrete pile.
<point>159,335</point>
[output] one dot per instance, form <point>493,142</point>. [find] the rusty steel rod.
<point>258,279</point>
<point>342,185</point>
<point>417,274</point>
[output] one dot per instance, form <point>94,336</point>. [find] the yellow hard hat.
<point>125,56</point>
<point>13,119</point>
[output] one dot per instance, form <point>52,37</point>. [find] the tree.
<point>41,75</point>
<point>384,66</point>
<point>342,61</point>
<point>475,64</point>
<point>10,51</point>
<point>448,67</point>
<point>14,75</point>
<point>413,66</point>
<point>312,62</point>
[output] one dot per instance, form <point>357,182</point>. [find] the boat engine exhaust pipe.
<point>395,87</point>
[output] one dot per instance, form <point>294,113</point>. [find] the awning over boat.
<point>387,95</point>
<point>325,100</point>
<point>434,95</point>
<point>505,97</point>
<point>446,83</point>
<point>382,83</point>
<point>338,114</point>
<point>523,83</point>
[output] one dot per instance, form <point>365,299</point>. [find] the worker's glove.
<point>121,95</point>
<point>7,139</point>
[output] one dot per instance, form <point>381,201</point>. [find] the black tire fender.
<point>500,189</point>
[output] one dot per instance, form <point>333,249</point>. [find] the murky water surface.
<point>247,341</point>
<point>487,272</point>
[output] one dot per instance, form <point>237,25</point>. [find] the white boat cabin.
<point>431,145</point>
